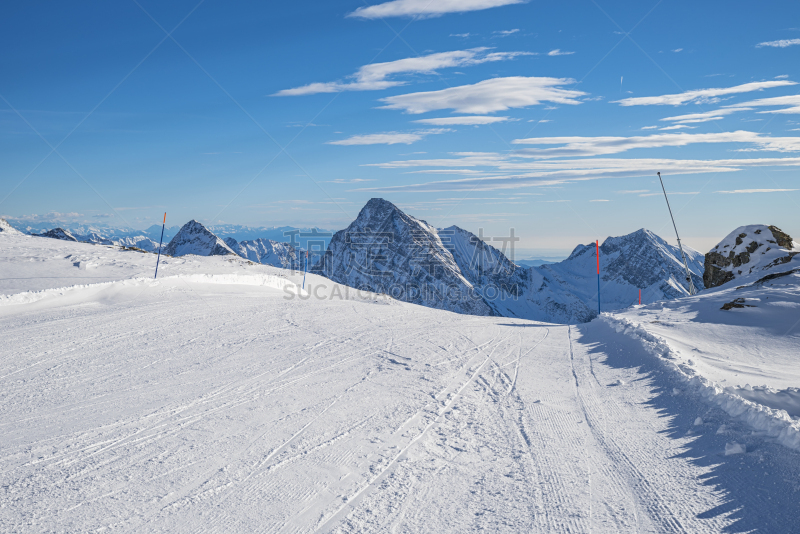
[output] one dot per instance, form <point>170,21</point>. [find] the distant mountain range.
<point>387,251</point>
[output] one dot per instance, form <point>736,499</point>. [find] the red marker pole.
<point>163,225</point>
<point>598,276</point>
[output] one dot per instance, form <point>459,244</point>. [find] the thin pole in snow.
<point>692,290</point>
<point>163,224</point>
<point>598,276</point>
<point>640,297</point>
<point>305,271</point>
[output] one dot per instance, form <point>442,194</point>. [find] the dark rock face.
<point>782,238</point>
<point>58,233</point>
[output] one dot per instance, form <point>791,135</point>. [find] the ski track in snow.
<point>189,406</point>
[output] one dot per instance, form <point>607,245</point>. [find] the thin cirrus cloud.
<point>388,138</point>
<point>559,52</point>
<point>475,120</point>
<point>426,8</point>
<point>488,96</point>
<point>748,191</point>
<point>783,43</point>
<point>597,146</point>
<point>505,33</point>
<point>700,96</point>
<point>375,76</point>
<point>789,105</point>
<point>508,171</point>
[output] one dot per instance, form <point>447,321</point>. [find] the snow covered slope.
<point>387,251</point>
<point>746,250</point>
<point>188,405</point>
<point>58,233</point>
<point>194,238</point>
<point>7,229</point>
<point>267,252</point>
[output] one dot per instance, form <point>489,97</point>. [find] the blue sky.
<point>551,118</point>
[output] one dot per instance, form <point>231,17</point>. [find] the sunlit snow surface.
<point>222,398</point>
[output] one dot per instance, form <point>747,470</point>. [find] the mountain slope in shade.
<point>746,250</point>
<point>7,229</point>
<point>267,252</point>
<point>194,238</point>
<point>58,233</point>
<point>387,251</point>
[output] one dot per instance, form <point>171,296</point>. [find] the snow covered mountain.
<point>7,229</point>
<point>387,251</point>
<point>139,241</point>
<point>268,252</point>
<point>95,239</point>
<point>58,233</point>
<point>746,250</point>
<point>194,238</point>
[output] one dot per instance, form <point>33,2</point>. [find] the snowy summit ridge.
<point>194,238</point>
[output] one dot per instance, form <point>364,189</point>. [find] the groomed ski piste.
<point>222,397</point>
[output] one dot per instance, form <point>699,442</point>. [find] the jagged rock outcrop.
<point>7,229</point>
<point>747,249</point>
<point>58,233</point>
<point>194,238</point>
<point>268,252</point>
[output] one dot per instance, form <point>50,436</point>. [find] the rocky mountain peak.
<point>747,249</point>
<point>194,238</point>
<point>59,233</point>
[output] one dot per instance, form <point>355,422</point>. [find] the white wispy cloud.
<point>783,43</point>
<point>488,96</point>
<point>678,50</point>
<point>649,127</point>
<point>504,33</point>
<point>462,121</point>
<point>677,127</point>
<point>376,76</point>
<point>746,191</point>
<point>791,101</point>
<point>700,96</point>
<point>693,118</point>
<point>426,8</point>
<point>599,200</point>
<point>388,138</point>
<point>353,181</point>
<point>596,146</point>
<point>558,52</point>
<point>511,171</point>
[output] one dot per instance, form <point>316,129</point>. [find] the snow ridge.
<point>775,422</point>
<point>58,233</point>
